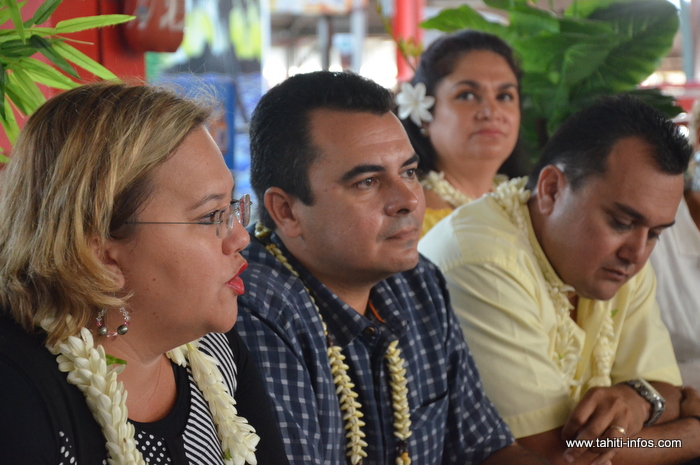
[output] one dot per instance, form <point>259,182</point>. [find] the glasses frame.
<point>237,211</point>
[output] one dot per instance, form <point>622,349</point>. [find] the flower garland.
<point>87,369</point>
<point>437,183</point>
<point>413,103</point>
<point>511,196</point>
<point>344,386</point>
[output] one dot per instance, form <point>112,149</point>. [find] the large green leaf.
<point>584,8</point>
<point>46,74</point>
<point>647,28</point>
<point>13,9</point>
<point>90,22</point>
<point>505,4</point>
<point>79,58</point>
<point>585,57</point>
<point>450,20</point>
<point>526,20</point>
<point>46,48</point>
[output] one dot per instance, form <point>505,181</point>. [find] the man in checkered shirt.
<point>335,177</point>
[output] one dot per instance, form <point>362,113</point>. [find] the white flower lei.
<point>437,183</point>
<point>413,102</point>
<point>344,386</point>
<point>87,369</point>
<point>511,196</point>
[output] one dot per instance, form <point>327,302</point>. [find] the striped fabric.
<point>200,441</point>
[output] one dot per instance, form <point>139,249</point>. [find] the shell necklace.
<point>87,369</point>
<point>437,183</point>
<point>344,386</point>
<point>511,196</point>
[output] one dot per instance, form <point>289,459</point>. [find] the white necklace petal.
<point>344,386</point>
<point>87,369</point>
<point>511,196</point>
<point>437,183</point>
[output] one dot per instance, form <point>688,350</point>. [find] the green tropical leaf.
<point>450,20</point>
<point>527,20</point>
<point>504,4</point>
<point>3,157</point>
<point>46,74</point>
<point>583,59</point>
<point>649,27</point>
<point>584,26</point>
<point>23,85</point>
<point>13,9</point>
<point>46,48</point>
<point>9,123</point>
<point>16,48</point>
<point>74,55</point>
<point>90,22</point>
<point>44,11</point>
<point>584,8</point>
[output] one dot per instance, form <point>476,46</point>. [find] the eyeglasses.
<point>237,210</point>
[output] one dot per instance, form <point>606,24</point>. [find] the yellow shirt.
<point>499,294</point>
<point>432,217</point>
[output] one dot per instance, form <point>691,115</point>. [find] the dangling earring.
<point>121,330</point>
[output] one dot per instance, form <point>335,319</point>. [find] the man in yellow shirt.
<point>550,282</point>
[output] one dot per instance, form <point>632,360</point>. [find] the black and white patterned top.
<point>45,420</point>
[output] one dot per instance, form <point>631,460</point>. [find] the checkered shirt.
<point>452,420</point>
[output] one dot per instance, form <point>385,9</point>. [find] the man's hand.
<point>612,412</point>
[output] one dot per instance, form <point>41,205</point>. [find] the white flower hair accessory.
<point>413,102</point>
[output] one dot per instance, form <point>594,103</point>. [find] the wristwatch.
<point>647,391</point>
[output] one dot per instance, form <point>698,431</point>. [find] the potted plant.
<point>20,71</point>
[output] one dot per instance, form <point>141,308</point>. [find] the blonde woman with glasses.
<point>119,275</point>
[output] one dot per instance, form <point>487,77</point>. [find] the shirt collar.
<point>685,233</point>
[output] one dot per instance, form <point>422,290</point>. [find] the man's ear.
<point>281,207</point>
<point>550,185</point>
<point>108,254</point>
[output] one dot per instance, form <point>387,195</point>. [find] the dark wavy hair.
<point>437,62</point>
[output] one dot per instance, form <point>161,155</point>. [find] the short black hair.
<point>280,141</point>
<point>582,144</point>
<point>437,62</point>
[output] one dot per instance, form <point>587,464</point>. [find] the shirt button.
<point>370,330</point>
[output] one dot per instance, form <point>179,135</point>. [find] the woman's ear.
<point>108,253</point>
<point>550,184</point>
<point>281,207</point>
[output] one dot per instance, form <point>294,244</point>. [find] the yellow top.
<point>500,296</point>
<point>432,217</point>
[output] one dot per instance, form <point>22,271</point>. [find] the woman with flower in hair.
<point>461,111</point>
<point>119,274</point>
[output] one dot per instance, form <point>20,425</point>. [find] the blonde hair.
<point>81,168</point>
